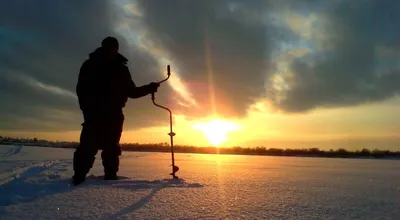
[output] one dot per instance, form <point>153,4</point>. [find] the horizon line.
<point>210,146</point>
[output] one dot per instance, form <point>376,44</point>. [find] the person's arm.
<point>134,91</point>
<point>81,79</point>
<point>82,90</point>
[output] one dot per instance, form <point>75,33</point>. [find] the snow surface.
<point>35,184</point>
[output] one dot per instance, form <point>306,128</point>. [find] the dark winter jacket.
<point>105,85</point>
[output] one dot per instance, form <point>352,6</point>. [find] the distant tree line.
<point>259,150</point>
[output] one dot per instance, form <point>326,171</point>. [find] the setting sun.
<point>216,130</point>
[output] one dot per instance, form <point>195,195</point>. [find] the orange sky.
<point>370,126</point>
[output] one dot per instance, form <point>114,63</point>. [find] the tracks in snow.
<point>24,173</point>
<point>13,151</point>
<point>32,182</point>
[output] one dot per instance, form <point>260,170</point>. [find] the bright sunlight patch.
<point>216,130</point>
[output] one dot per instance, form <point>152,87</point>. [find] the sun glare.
<point>216,130</point>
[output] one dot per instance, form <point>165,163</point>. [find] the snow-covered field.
<point>35,184</point>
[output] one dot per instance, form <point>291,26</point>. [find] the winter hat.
<point>110,42</point>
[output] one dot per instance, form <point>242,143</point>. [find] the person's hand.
<point>153,87</point>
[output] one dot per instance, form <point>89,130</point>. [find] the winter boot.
<point>78,179</point>
<point>110,176</point>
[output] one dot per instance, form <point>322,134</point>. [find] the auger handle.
<point>168,75</point>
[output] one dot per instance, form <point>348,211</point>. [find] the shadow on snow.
<point>22,191</point>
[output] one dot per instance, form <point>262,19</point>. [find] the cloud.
<point>221,49</point>
<point>43,46</point>
<point>355,61</point>
<point>47,42</point>
<point>225,56</point>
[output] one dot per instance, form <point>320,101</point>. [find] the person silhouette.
<point>103,88</point>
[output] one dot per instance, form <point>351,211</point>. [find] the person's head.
<point>110,46</point>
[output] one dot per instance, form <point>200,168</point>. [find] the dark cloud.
<point>353,71</point>
<point>43,45</point>
<point>28,106</point>
<point>224,39</point>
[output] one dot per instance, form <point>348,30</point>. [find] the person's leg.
<point>84,155</point>
<point>111,148</point>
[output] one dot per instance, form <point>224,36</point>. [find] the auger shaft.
<point>171,133</point>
